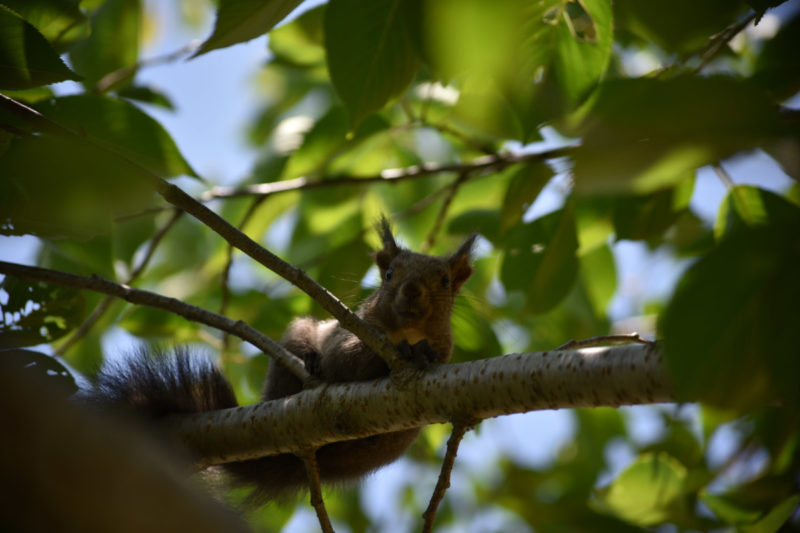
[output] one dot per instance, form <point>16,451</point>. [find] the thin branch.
<point>373,338</point>
<point>437,225</point>
<point>459,430</point>
<point>484,164</point>
<point>150,299</point>
<point>226,290</point>
<point>603,340</point>
<point>103,306</point>
<point>315,490</point>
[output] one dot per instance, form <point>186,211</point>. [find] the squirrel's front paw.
<point>420,355</point>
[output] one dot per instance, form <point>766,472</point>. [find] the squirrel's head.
<point>418,287</point>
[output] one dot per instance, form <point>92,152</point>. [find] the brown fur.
<point>412,307</point>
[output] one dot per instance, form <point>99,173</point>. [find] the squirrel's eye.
<point>445,281</point>
<point>388,275</point>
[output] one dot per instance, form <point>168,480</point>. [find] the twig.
<point>718,40</point>
<point>723,175</point>
<point>173,305</point>
<point>315,490</point>
<point>111,79</point>
<point>373,338</point>
<point>224,276</point>
<point>459,429</point>
<point>472,143</point>
<point>103,306</point>
<point>437,225</point>
<point>604,339</point>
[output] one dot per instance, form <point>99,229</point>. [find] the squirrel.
<point>412,307</point>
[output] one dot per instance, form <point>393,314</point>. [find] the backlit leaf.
<point>241,20</point>
<point>370,55</point>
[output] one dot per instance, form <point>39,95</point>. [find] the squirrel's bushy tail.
<point>154,383</point>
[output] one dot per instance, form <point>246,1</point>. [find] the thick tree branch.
<point>515,383</point>
<point>150,299</point>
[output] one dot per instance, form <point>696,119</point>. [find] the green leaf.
<point>488,220</point>
<point>113,43</point>
<point>676,25</point>
<point>540,259</point>
<point>746,206</point>
<point>526,183</point>
<point>647,217</point>
<point>36,313</point>
<point>777,68</point>
<point>583,47</point>
<point>344,265</point>
<point>147,95</point>
<point>325,147</point>
<point>319,145</point>
<point>687,124</point>
<point>26,58</point>
<point>534,60</point>
<point>728,330</point>
<point>748,517</point>
<point>154,323</point>
<point>60,187</point>
<point>777,517</point>
<point>473,333</point>
<point>241,20</point>
<point>599,275</point>
<point>59,21</point>
<point>370,54</point>
<point>121,127</point>
<point>646,491</point>
<point>88,255</point>
<point>689,235</point>
<point>300,42</point>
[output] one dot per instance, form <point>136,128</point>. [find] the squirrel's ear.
<point>459,262</point>
<point>384,256</point>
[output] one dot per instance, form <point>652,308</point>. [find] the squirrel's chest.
<point>410,335</point>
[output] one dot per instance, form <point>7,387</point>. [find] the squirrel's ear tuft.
<point>460,262</point>
<point>384,256</point>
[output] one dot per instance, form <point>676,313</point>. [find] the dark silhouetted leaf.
<point>36,313</point>
<point>729,328</point>
<point>689,122</point>
<point>540,259</point>
<point>26,58</point>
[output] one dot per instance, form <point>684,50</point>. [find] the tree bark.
<point>514,383</point>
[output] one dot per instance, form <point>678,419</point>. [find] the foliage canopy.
<point>431,111</point>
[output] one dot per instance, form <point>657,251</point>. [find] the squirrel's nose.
<point>413,290</point>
